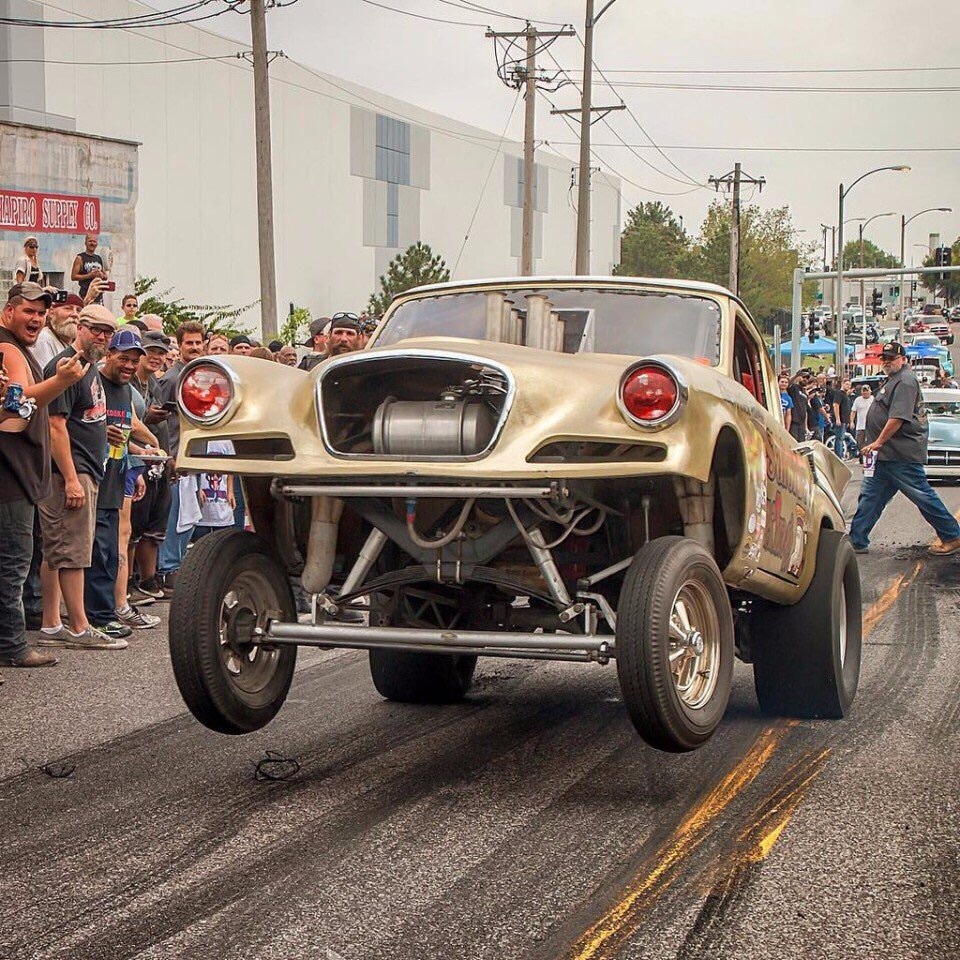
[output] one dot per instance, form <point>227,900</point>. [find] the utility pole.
<point>527,76</point>
<point>261,103</point>
<point>733,180</point>
<point>586,111</point>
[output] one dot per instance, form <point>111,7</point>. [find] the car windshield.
<point>941,408</point>
<point>631,322</point>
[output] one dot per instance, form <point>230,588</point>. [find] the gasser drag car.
<point>577,469</point>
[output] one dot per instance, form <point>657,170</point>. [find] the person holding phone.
<point>148,516</point>
<point>24,460</point>
<point>88,265</point>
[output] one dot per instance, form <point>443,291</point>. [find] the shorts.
<point>148,516</point>
<point>68,534</point>
<point>130,483</point>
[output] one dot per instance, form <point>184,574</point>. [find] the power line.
<point>786,71</point>
<point>483,189</point>
<point>735,148</point>
<point>479,8</point>
<point>610,127</point>
<point>122,63</point>
<point>157,18</point>
<point>770,88</point>
<point>422,16</point>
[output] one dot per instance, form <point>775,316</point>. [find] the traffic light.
<point>877,301</point>
<point>943,257</point>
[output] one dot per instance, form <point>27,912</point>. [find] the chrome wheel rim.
<point>248,666</point>
<point>842,632</point>
<point>694,633</point>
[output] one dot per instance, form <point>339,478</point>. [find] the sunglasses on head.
<point>345,316</point>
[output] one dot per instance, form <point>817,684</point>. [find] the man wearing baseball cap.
<point>106,604</point>
<point>319,329</point>
<point>61,328</point>
<point>78,440</point>
<point>896,435</point>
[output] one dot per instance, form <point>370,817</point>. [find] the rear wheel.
<point>421,677</point>
<point>806,657</point>
<point>228,581</point>
<point>675,647</point>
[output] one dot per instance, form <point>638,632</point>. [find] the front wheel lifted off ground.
<point>230,683</point>
<point>675,645</point>
<point>806,658</point>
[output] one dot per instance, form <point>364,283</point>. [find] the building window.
<point>393,215</point>
<point>393,150</point>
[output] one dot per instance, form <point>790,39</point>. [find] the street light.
<point>863,305</point>
<point>841,339</point>
<point>904,220</point>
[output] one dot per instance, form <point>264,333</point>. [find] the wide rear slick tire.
<point>421,677</point>
<point>675,646</point>
<point>806,657</point>
<point>226,581</point>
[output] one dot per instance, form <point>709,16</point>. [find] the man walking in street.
<point>858,416</point>
<point>897,435</point>
<point>24,461</point>
<point>190,342</point>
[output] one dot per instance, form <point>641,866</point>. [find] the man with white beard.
<point>60,331</point>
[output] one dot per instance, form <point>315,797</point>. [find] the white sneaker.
<point>136,620</point>
<point>90,639</point>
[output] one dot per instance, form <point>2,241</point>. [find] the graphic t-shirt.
<point>786,403</point>
<point>88,263</point>
<point>119,401</point>
<point>85,409</point>
<point>215,509</point>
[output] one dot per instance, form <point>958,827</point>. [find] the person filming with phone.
<point>88,266</point>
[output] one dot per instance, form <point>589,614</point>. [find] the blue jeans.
<point>100,577</point>
<point>32,599</point>
<point>16,536</point>
<point>174,547</point>
<point>240,510</point>
<point>909,479</point>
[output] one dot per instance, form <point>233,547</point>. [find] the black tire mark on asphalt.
<point>289,858</point>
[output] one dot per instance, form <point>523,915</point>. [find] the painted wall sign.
<point>48,212</point>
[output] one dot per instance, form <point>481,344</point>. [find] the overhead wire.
<point>156,18</point>
<point>480,8</point>
<point>483,189</point>
<point>636,120</point>
<point>780,71</point>
<point>421,16</point>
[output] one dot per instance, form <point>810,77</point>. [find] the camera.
<point>108,286</point>
<point>60,296</point>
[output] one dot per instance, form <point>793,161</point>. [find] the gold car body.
<point>790,491</point>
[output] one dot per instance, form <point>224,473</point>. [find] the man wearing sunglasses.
<point>78,439</point>
<point>345,334</point>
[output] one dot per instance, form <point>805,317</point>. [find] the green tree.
<point>295,327</point>
<point>769,253</point>
<point>174,312</point>
<point>653,243</point>
<point>951,288</point>
<point>415,266</point>
<point>873,256</point>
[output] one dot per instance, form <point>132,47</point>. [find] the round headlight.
<point>651,395</point>
<point>206,392</point>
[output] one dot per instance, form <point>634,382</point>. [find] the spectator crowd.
<point>95,521</point>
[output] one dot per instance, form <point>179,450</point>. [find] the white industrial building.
<point>358,176</point>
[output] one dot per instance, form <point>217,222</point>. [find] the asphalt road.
<point>529,821</point>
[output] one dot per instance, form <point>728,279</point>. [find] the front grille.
<point>943,457</point>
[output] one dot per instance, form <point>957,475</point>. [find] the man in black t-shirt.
<point>897,433</point>
<point>798,419</point>
<point>88,266</point>
<point>78,439</point>
<point>119,366</point>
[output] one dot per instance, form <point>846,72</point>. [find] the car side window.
<point>747,366</point>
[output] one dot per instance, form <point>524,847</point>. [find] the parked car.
<point>587,470</point>
<point>943,446</point>
<point>943,331</point>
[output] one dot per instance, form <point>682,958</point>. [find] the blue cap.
<point>126,340</point>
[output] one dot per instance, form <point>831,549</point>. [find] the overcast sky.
<point>450,69</point>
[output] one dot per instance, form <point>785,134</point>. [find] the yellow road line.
<point>623,918</point>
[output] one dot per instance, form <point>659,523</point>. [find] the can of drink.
<point>14,398</point>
